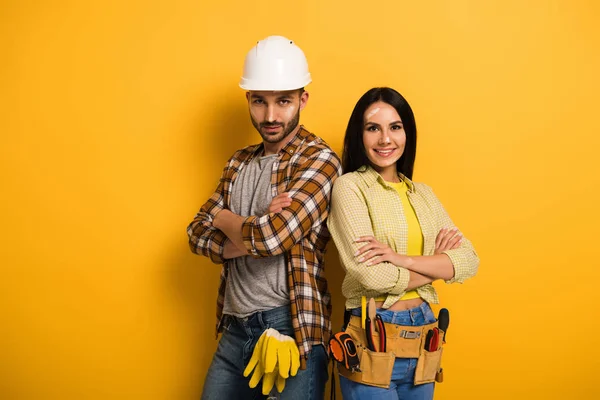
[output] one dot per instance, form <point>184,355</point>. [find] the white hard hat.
<point>275,63</point>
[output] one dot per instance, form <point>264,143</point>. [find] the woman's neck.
<point>389,174</point>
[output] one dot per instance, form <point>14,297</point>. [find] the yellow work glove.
<point>270,379</point>
<point>275,357</point>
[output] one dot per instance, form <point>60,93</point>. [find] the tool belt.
<point>401,342</point>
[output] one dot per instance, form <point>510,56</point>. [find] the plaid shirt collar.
<point>370,176</point>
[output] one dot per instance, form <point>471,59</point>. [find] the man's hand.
<point>374,252</point>
<point>279,202</point>
<point>447,239</point>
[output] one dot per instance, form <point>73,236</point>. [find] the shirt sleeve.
<point>349,220</point>
<point>464,259</point>
<point>204,238</point>
<point>310,190</point>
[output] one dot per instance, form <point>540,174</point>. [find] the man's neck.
<point>275,148</point>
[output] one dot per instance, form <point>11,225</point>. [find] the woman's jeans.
<point>402,385</point>
<point>225,379</point>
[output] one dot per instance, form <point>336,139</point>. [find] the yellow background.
<point>117,117</point>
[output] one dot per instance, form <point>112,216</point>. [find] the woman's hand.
<point>279,202</point>
<point>374,252</point>
<point>447,239</point>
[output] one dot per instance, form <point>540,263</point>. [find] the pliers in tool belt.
<point>382,335</point>
<point>378,324</point>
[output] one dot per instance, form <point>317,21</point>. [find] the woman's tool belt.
<point>421,342</point>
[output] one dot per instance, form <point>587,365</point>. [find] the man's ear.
<point>248,96</point>
<point>303,100</point>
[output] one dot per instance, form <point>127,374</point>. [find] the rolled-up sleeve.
<point>349,219</point>
<point>204,238</point>
<point>310,191</point>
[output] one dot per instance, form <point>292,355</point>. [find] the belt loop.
<point>261,322</point>
<point>425,309</point>
<point>224,323</point>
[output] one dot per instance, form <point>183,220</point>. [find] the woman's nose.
<point>384,138</point>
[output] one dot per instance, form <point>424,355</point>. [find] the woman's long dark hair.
<point>354,155</point>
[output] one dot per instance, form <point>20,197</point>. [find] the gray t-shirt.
<point>255,284</point>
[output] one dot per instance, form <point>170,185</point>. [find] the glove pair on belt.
<point>276,357</point>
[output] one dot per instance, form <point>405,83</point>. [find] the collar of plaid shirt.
<point>306,168</point>
<point>371,177</point>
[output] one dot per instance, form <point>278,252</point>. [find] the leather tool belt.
<point>401,342</point>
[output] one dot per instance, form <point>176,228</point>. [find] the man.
<point>266,223</point>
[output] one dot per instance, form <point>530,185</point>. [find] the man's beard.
<point>278,137</point>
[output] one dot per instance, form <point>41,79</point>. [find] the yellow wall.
<point>116,119</point>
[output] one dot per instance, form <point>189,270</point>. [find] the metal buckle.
<point>410,334</point>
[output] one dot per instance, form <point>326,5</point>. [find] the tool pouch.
<point>401,342</point>
<point>428,367</point>
<point>375,368</point>
<point>429,362</point>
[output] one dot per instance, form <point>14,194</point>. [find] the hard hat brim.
<point>248,84</point>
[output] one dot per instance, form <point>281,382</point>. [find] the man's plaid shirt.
<point>306,169</point>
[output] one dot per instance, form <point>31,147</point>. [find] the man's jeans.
<point>225,379</point>
<point>403,374</point>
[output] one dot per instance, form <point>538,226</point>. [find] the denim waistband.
<point>262,318</point>
<point>419,313</point>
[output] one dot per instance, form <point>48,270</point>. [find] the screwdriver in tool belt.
<point>444,321</point>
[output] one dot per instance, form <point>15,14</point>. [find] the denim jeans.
<point>401,386</point>
<point>225,379</point>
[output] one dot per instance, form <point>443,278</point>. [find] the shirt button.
<point>291,151</point>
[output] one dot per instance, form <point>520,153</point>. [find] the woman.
<point>394,239</point>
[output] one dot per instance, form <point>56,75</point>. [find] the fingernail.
<point>357,251</point>
<point>361,259</point>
